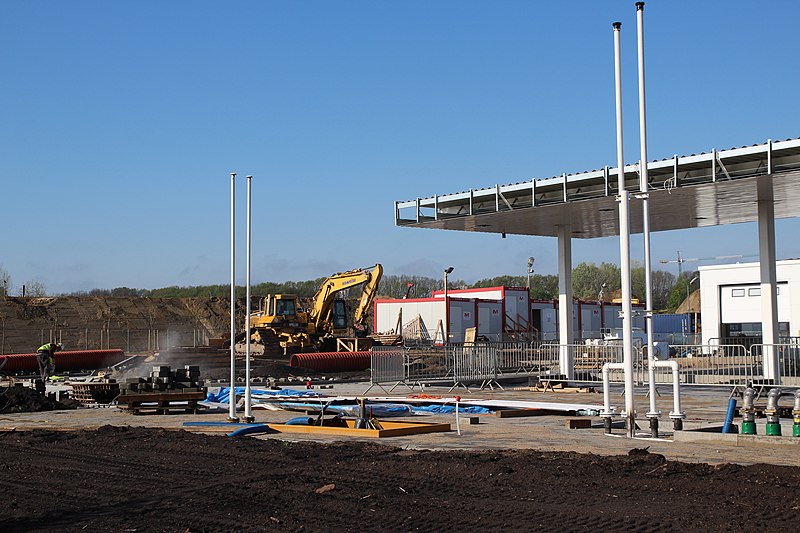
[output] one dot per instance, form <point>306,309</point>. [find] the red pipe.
<point>331,361</point>
<point>75,360</point>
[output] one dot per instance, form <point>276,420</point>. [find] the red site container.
<point>76,360</point>
<point>331,361</point>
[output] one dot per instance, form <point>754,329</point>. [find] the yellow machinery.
<point>281,321</point>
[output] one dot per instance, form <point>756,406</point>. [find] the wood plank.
<point>513,413</point>
<point>161,396</point>
<point>578,423</point>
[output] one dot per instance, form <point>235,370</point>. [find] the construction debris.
<point>164,391</point>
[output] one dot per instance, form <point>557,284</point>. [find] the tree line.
<point>590,281</point>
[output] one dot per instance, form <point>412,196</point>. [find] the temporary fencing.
<point>131,340</point>
<point>474,363</point>
<point>484,363</point>
<point>387,365</point>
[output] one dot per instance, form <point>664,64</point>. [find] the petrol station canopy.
<point>699,190</point>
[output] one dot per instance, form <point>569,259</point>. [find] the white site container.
<point>589,319</point>
<point>515,300</point>
<point>459,314</point>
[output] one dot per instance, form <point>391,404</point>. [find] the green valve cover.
<point>748,428</point>
<point>773,430</point>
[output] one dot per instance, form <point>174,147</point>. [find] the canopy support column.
<point>566,333</point>
<point>769,293</point>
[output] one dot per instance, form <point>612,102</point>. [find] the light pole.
<point>688,307</point>
<point>447,271</point>
<point>601,296</point>
<point>530,271</point>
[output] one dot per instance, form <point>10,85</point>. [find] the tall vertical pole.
<point>446,328</point>
<point>770,333</point>
<point>232,395</point>
<point>624,246</point>
<point>652,414</point>
<point>248,414</point>
<point>566,329</point>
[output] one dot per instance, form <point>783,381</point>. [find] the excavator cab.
<point>339,316</point>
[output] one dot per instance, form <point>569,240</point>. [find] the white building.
<point>731,303</point>
<point>433,318</point>
<point>516,303</point>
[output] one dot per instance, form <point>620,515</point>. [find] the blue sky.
<point>121,122</point>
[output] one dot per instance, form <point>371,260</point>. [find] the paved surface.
<point>704,407</point>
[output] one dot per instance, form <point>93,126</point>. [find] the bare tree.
<point>35,289</point>
<point>5,281</point>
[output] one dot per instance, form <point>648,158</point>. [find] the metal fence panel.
<point>474,363</point>
<point>788,360</point>
<point>387,364</point>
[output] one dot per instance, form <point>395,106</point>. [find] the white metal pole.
<point>458,424</point>
<point>232,395</point>
<point>248,414</point>
<point>624,245</point>
<point>653,414</point>
<point>446,313</point>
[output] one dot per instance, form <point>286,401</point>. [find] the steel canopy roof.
<point>709,189</point>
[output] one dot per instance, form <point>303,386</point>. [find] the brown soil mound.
<point>126,479</point>
<point>27,400</point>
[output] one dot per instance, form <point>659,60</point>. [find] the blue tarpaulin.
<point>223,396</point>
<point>381,410</point>
<point>440,408</point>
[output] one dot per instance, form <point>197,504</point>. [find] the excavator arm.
<point>326,294</point>
<point>368,296</point>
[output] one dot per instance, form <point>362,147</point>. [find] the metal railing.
<point>485,363</point>
<point>474,363</point>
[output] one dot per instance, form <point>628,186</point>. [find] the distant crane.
<point>682,260</point>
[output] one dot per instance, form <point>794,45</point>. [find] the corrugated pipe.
<point>331,361</point>
<point>74,360</point>
<point>773,414</point>
<point>796,415</point>
<point>748,412</point>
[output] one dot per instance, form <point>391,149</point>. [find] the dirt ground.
<point>138,479</point>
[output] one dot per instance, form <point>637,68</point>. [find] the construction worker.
<point>44,355</point>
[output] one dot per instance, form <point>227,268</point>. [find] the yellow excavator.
<point>282,322</point>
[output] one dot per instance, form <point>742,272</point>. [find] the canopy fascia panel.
<point>709,189</point>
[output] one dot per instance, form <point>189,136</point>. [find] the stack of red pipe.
<point>75,360</point>
<point>332,361</point>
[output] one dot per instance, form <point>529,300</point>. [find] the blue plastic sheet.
<point>380,410</point>
<point>223,396</point>
<point>445,409</point>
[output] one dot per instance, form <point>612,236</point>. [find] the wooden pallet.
<point>161,402</point>
<point>89,393</point>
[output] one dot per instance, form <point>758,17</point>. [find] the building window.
<point>737,293</point>
<point>754,291</point>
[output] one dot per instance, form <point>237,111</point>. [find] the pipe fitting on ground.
<point>748,412</point>
<point>796,415</point>
<point>608,418</point>
<point>653,426</point>
<point>677,420</point>
<point>772,413</point>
